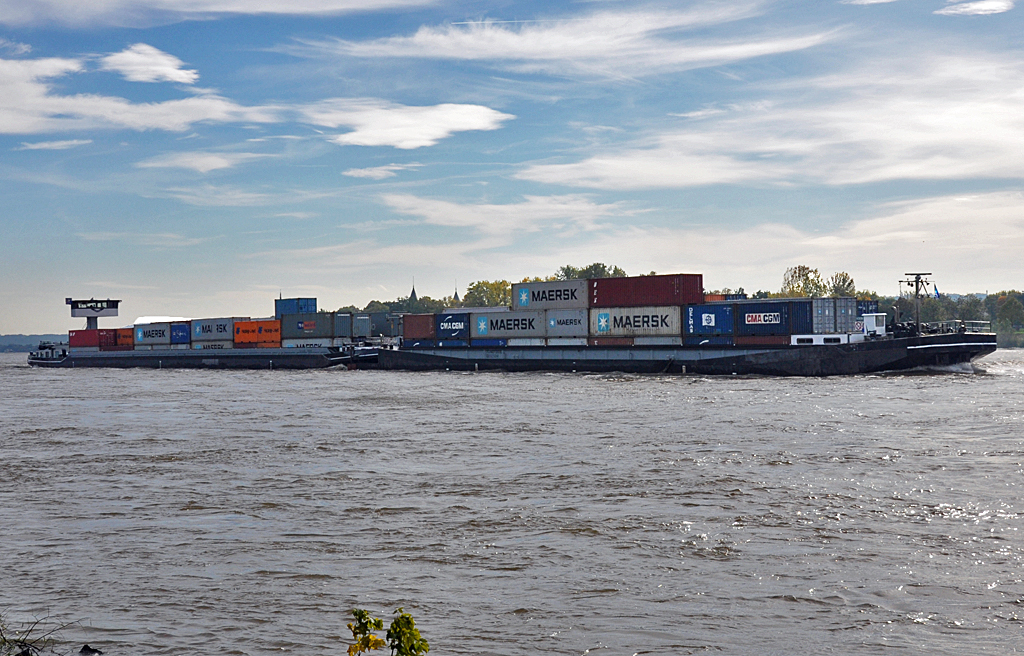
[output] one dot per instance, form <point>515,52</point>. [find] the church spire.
<point>456,297</point>
<point>412,296</point>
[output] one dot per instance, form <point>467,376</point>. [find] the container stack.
<point>214,333</point>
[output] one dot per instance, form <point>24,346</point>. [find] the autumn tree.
<point>1011,314</point>
<point>802,281</point>
<point>595,270</point>
<point>841,284</point>
<point>485,293</point>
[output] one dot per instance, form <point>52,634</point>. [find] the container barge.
<point>645,324</point>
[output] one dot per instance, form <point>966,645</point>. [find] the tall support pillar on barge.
<point>92,310</point>
<point>919,282</point>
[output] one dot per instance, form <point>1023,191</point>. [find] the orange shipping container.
<point>125,337</point>
<point>269,345</point>
<point>255,332</point>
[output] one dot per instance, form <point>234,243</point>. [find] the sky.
<point>199,158</point>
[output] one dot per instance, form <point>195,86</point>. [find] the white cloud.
<point>379,172</point>
<point>144,63</point>
<point>552,213</point>
<point>14,47</point>
<point>156,239</point>
<point>865,2</point>
<point>924,118</point>
<point>216,196</point>
<point>631,44</point>
<point>154,12</point>
<point>380,123</point>
<point>980,8</point>
<point>54,145</point>
<point>203,162</point>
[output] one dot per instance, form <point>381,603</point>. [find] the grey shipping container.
<point>634,321</point>
<point>342,325</point>
<point>558,294</point>
<point>307,325</point>
<point>202,346</point>
<point>149,334</point>
<point>664,340</point>
<point>361,325</point>
<point>215,330</point>
<point>498,325</point>
<point>567,323</point>
<point>846,314</point>
<point>709,320</point>
<point>824,321</point>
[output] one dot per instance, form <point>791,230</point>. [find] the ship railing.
<point>957,326</point>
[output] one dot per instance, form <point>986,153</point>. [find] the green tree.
<point>404,638</point>
<point>595,270</point>
<point>802,281</point>
<point>971,308</point>
<point>485,293</point>
<point>841,284</point>
<point>1011,314</point>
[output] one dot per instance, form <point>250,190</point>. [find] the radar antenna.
<point>918,283</point>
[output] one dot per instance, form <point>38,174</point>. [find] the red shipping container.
<point>418,326</point>
<point>125,337</point>
<point>83,338</point>
<point>611,341</point>
<point>675,289</point>
<point>107,337</point>
<point>762,340</point>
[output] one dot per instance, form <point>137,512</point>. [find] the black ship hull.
<point>235,358</point>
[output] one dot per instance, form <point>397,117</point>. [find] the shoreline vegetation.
<point>1004,309</point>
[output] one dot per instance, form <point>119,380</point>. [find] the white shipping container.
<point>202,346</point>
<point>567,341</point>
<point>306,343</point>
<point>153,334</point>
<point>566,323</point>
<point>526,341</point>
<point>556,294</point>
<point>214,330</point>
<point>502,325</point>
<point>658,320</point>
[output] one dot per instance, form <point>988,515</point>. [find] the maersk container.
<point>342,325</point>
<point>294,306</point>
<point>307,326</point>
<point>557,294</point>
<point>451,325</point>
<point>610,341</point>
<point>204,346</point>
<point>676,289</point>
<point>311,342</point>
<point>525,341</point>
<point>488,343</point>
<point>707,340</point>
<point>566,323</point>
<point>761,319</point>
<point>504,325</point>
<point>418,326</point>
<point>709,320</point>
<point>361,325</point>
<point>635,321</point>
<point>180,333</point>
<point>214,330</point>
<point>824,317</point>
<point>152,334</point>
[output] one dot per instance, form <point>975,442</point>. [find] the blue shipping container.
<point>866,307</point>
<point>452,343</point>
<point>489,342</point>
<point>452,325</point>
<point>709,320</point>
<point>707,340</point>
<point>180,333</point>
<point>762,318</point>
<point>417,343</point>
<point>801,318</point>
<point>294,306</point>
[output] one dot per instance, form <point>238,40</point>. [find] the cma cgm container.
<point>418,326</point>
<point>557,294</point>
<point>763,318</point>
<point>675,289</point>
<point>251,333</point>
<point>294,306</point>
<point>451,325</point>
<point>635,321</point>
<point>152,334</point>
<point>215,330</point>
<point>305,326</point>
<point>566,323</point>
<point>180,333</point>
<point>504,325</point>
<point>709,320</point>
<point>84,338</point>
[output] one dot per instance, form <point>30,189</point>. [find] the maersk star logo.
<point>524,296</point>
<point>138,337</point>
<point>603,321</point>
<point>481,325</point>
<point>551,322</point>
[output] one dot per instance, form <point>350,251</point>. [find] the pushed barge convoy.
<point>647,324</point>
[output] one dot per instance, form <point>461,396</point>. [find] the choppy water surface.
<point>247,512</point>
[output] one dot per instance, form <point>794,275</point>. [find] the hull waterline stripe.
<point>952,345</point>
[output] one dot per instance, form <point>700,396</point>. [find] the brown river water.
<point>224,512</point>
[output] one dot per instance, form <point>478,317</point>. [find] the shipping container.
<point>761,318</point>
<point>710,298</point>
<point>801,316</point>
<point>646,340</point>
<point>611,341</point>
<point>866,307</point>
<point>294,306</point>
<point>144,347</point>
<point>312,342</point>
<point>761,340</point>
<point>255,332</point>
<point>383,324</point>
<point>707,340</point>
<point>417,343</point>
<point>846,314</point>
<point>178,347</point>
<point>215,330</point>
<point>567,323</point>
<point>526,341</point>
<point>488,343</point>
<point>675,289</point>
<point>418,326</point>
<point>115,347</point>
<point>305,326</point>
<point>709,320</point>
<point>268,345</point>
<point>553,295</point>
<point>634,321</point>
<point>106,337</point>
<point>125,336</point>
<point>735,297</point>
<point>202,346</point>
<point>342,325</point>
<point>567,341</point>
<point>507,324</point>
<point>361,326</point>
<point>452,343</point>
<point>153,334</point>
<point>84,338</point>
<point>180,333</point>
<point>824,317</point>
<point>451,325</point>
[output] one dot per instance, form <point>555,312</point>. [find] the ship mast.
<point>919,282</point>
